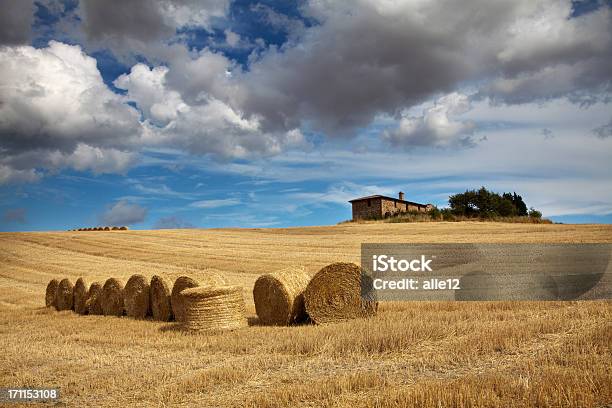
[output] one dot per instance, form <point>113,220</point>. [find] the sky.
<point>240,113</point>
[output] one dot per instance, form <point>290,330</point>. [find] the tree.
<point>487,204</point>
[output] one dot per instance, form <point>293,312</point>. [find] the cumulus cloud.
<point>17,215</point>
<point>141,27</point>
<point>147,87</point>
<point>16,21</point>
<point>123,213</point>
<point>55,111</point>
<point>407,51</point>
<point>436,127</point>
<point>203,124</point>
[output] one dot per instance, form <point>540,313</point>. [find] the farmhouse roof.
<point>387,198</point>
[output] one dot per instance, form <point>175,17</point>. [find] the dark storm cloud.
<point>16,18</point>
<point>366,58</point>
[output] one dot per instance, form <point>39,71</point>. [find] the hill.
<point>518,354</point>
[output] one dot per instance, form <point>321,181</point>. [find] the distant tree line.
<point>483,203</point>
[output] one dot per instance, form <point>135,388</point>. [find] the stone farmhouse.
<point>379,206</point>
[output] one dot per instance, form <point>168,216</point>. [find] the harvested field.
<point>424,354</point>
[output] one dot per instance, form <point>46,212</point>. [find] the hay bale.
<point>176,298</point>
<point>106,228</point>
<point>115,228</point>
<point>51,293</point>
<point>79,295</point>
<point>161,306</point>
<point>124,228</point>
<point>279,296</point>
<point>93,304</point>
<point>334,294</point>
<point>64,299</point>
<point>112,298</point>
<point>136,297</point>
<point>209,308</point>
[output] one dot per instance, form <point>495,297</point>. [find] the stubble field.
<point>422,354</point>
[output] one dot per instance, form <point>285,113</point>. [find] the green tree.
<point>487,204</point>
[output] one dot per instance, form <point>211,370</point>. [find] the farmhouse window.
<point>369,203</point>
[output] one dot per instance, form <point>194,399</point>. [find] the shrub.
<point>533,213</point>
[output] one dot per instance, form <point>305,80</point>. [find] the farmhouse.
<point>379,206</point>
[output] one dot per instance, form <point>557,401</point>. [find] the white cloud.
<point>147,87</point>
<point>341,193</point>
<point>193,12</point>
<point>11,175</point>
<point>231,38</point>
<point>123,213</point>
<point>228,202</point>
<point>57,112</point>
<point>437,126</point>
<point>205,124</point>
<point>98,160</point>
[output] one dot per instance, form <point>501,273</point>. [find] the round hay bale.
<point>64,300</point>
<point>93,304</point>
<point>112,298</point>
<point>124,228</point>
<point>79,295</point>
<point>279,296</point>
<point>115,228</point>
<point>176,298</point>
<point>137,297</point>
<point>161,306</point>
<point>334,294</point>
<point>210,308</point>
<point>106,228</point>
<point>51,293</point>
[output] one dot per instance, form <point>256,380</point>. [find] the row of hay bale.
<point>198,308</point>
<point>290,296</point>
<point>124,228</point>
<point>285,297</point>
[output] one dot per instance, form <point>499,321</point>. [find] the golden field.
<point>421,354</point>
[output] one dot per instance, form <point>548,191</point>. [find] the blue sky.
<point>271,114</point>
